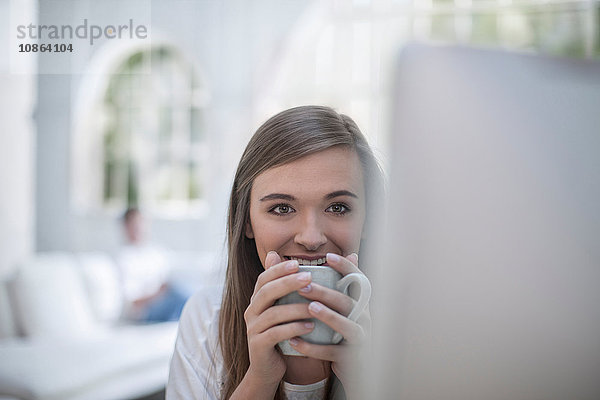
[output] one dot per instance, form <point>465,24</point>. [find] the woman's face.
<point>309,207</point>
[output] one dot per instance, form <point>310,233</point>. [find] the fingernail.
<point>294,342</point>
<point>315,306</point>
<point>269,256</point>
<point>292,265</point>
<point>309,325</point>
<point>333,257</point>
<point>353,258</point>
<point>304,276</point>
<point>306,289</point>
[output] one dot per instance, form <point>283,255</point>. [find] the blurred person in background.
<point>144,269</point>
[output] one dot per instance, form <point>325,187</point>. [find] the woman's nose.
<point>310,233</point>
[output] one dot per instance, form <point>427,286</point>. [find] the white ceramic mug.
<point>328,277</point>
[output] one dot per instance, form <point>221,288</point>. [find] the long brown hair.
<point>285,137</point>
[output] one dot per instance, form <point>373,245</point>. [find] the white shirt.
<point>144,269</point>
<point>314,391</point>
<point>197,364</point>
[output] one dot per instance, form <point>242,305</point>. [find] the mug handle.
<point>363,298</point>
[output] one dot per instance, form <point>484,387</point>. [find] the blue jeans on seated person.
<point>166,307</point>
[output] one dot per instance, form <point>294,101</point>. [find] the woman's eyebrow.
<point>288,197</point>
<point>278,196</point>
<point>340,193</point>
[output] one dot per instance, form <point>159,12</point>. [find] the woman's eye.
<point>281,209</point>
<point>340,209</point>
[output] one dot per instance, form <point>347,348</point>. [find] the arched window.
<point>147,144</point>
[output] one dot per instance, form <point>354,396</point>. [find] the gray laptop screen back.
<point>489,281</point>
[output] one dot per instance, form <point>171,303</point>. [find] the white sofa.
<point>61,336</point>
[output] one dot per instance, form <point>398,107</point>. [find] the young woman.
<point>305,191</point>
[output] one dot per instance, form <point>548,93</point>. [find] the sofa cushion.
<point>101,278</point>
<point>51,300</point>
<point>121,362</point>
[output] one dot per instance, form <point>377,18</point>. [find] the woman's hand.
<point>332,307</point>
<point>268,324</point>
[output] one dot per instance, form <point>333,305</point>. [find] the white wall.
<point>16,151</point>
